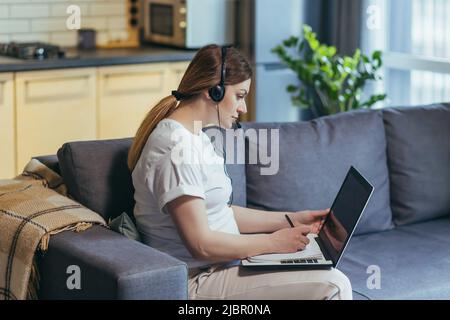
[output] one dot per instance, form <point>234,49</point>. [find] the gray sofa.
<point>404,234</point>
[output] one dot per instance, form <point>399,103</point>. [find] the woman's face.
<point>233,103</point>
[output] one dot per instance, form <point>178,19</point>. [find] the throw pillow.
<point>125,226</point>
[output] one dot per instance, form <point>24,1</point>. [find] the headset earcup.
<point>217,93</point>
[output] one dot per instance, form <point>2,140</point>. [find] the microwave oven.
<point>189,24</point>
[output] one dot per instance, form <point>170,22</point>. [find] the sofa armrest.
<point>111,267</point>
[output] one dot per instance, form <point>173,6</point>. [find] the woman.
<point>181,206</point>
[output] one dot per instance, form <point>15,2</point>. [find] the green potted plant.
<point>328,83</point>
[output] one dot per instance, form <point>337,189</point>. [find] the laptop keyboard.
<point>299,261</point>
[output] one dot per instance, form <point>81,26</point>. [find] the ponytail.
<point>162,110</point>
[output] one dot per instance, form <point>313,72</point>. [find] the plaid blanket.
<point>33,206</point>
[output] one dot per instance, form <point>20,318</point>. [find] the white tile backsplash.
<point>4,11</point>
<point>66,38</point>
<point>99,9</point>
<point>118,35</point>
<point>13,1</point>
<point>12,26</point>
<point>29,11</point>
<point>56,1</point>
<point>97,23</point>
<point>45,20</point>
<point>60,10</point>
<point>102,38</point>
<point>48,24</point>
<point>28,37</point>
<point>4,38</point>
<point>119,23</point>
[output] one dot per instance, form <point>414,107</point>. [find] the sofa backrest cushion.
<point>314,157</point>
<point>418,150</point>
<point>97,176</point>
<point>51,161</point>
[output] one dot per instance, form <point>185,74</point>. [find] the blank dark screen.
<point>344,213</point>
<point>161,19</point>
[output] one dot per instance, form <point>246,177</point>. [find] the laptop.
<point>326,248</point>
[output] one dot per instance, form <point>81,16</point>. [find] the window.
<point>415,38</point>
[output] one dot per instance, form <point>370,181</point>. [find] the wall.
<point>45,20</point>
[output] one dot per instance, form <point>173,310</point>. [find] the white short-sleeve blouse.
<point>176,162</point>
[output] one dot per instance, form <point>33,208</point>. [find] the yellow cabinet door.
<point>126,94</point>
<point>7,136</point>
<point>53,107</point>
<point>177,70</point>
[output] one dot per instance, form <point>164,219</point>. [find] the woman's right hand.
<point>290,240</point>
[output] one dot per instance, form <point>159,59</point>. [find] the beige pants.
<point>242,283</point>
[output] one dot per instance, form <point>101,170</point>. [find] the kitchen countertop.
<point>98,57</point>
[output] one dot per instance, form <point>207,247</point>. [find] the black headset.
<point>218,92</point>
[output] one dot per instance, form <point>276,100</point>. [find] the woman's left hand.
<point>313,218</point>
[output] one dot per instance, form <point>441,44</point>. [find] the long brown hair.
<point>202,73</point>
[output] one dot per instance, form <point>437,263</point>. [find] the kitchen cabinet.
<point>7,137</point>
<point>127,93</point>
<point>177,70</point>
<point>53,107</point>
<point>41,110</point>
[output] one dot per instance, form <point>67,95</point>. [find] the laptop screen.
<point>344,215</point>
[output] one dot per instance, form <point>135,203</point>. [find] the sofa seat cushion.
<point>418,151</point>
<point>414,261</point>
<point>314,158</point>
